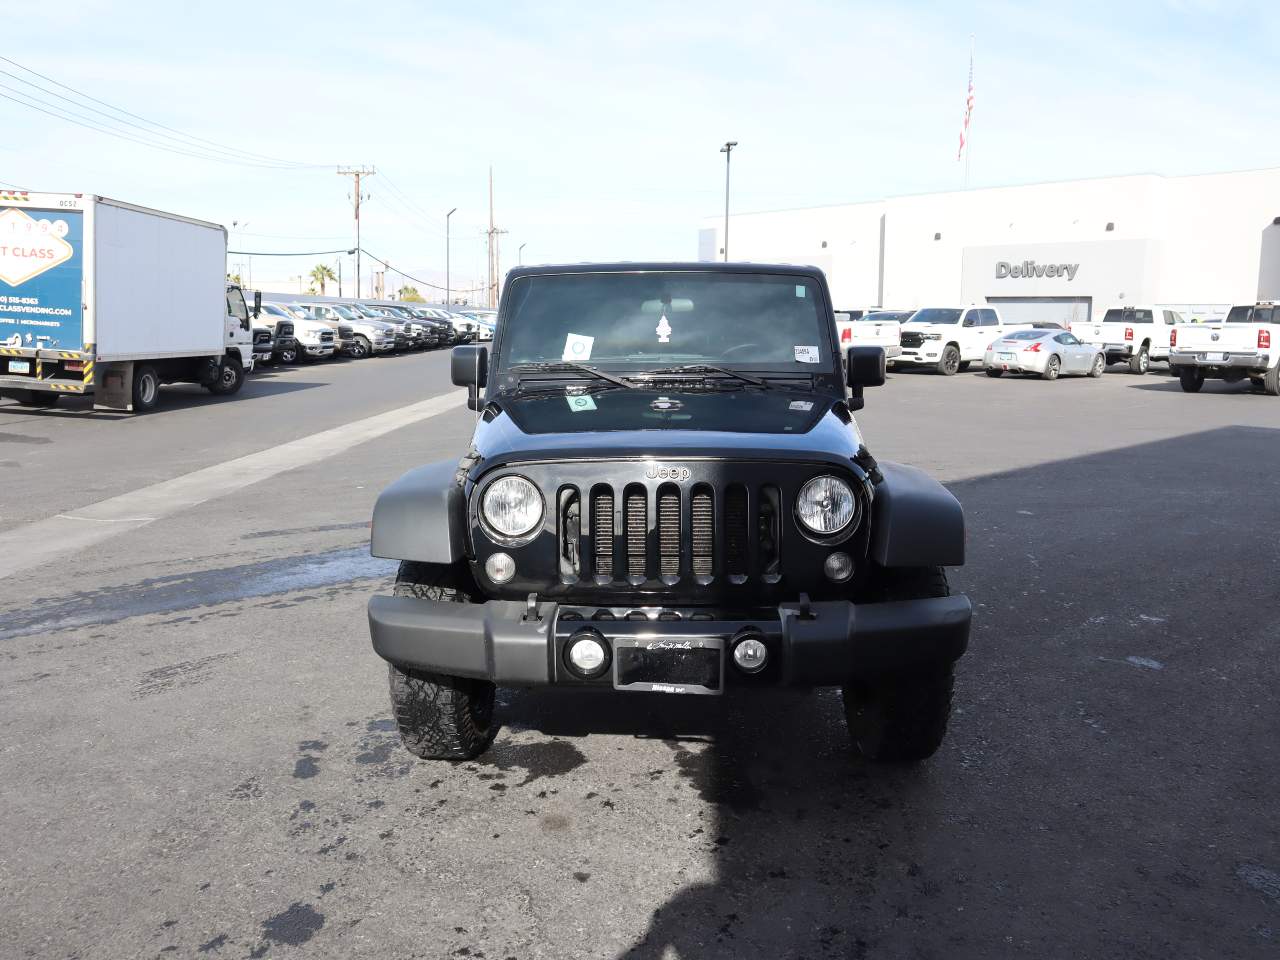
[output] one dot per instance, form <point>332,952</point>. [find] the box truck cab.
<point>104,298</point>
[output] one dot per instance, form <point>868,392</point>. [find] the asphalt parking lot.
<point>197,756</point>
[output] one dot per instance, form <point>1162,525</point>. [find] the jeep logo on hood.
<point>655,472</point>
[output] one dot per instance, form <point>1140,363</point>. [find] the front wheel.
<point>440,717</point>
<point>228,378</point>
<point>1191,380</point>
<point>903,717</point>
<point>1140,361</point>
<point>361,348</point>
<point>289,355</point>
<point>1271,382</point>
<point>949,362</point>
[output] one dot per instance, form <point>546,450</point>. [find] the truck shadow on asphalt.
<point>1108,784</point>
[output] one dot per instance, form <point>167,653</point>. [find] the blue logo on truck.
<point>41,266</point>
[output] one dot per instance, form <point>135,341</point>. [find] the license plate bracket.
<point>19,366</point>
<point>669,664</point>
<point>1006,356</point>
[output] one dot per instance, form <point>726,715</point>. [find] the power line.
<point>410,276</point>
<point>153,123</point>
<point>306,253</point>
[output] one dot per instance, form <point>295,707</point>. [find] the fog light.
<point>500,567</point>
<point>750,654</point>
<point>587,655</point>
<point>838,567</point>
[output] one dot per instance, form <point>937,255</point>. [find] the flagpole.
<point>968,143</point>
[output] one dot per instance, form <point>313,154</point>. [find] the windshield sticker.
<point>577,348</point>
<point>663,330</point>
<point>580,402</point>
<point>806,354</point>
<point>800,290</point>
<point>803,405</point>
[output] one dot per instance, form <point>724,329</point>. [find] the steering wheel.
<point>739,349</point>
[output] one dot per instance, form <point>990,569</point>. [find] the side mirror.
<point>469,367</point>
<point>257,303</point>
<point>864,367</point>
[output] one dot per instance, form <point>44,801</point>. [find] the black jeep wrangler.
<point>666,492</point>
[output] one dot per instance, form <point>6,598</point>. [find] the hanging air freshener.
<point>663,329</point>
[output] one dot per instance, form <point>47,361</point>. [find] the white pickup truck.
<point>1135,335</point>
<point>1246,344</point>
<point>950,338</point>
<point>873,328</point>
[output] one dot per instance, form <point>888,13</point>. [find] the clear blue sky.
<point>603,125</point>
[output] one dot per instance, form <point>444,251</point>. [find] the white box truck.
<point>107,298</point>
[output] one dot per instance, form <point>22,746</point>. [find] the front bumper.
<point>929,353</point>
<point>507,643</point>
<point>317,349</point>
<point>384,346</point>
<point>1213,358</point>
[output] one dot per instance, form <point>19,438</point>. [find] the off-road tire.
<point>1140,362</point>
<point>1191,380</point>
<point>902,718</point>
<point>1271,382</point>
<point>993,372</point>
<point>440,717</point>
<point>949,362</point>
<point>361,348</point>
<point>1052,369</point>
<point>146,388</point>
<point>1098,366</point>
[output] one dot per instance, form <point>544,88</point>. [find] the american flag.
<point>968,111</point>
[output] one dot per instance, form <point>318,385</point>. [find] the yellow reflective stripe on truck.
<point>39,368</point>
<point>10,352</point>
<point>88,372</point>
<point>66,387</point>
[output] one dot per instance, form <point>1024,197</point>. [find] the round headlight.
<point>825,505</point>
<point>512,506</point>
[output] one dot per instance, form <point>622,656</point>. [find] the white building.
<point>1050,251</point>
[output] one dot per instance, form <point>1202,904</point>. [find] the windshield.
<point>936,315</point>
<point>1249,315</point>
<point>657,318</point>
<point>884,316</point>
<point>346,313</point>
<point>1127,315</point>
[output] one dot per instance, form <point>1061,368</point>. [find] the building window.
<point>937,236</point>
<point>1110,226</point>
<point>824,244</point>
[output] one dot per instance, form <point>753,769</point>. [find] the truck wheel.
<point>289,355</point>
<point>993,372</point>
<point>903,717</point>
<point>146,388</point>
<point>440,717</point>
<point>949,362</point>
<point>1052,368</point>
<point>1099,364</point>
<point>1191,380</point>
<point>361,347</point>
<point>229,378</point>
<point>1271,382</point>
<point>1140,361</point>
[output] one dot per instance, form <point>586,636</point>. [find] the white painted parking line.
<point>35,543</point>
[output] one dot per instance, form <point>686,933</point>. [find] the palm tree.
<point>411,294</point>
<point>320,273</point>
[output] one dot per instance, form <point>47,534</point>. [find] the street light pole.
<point>727,149</point>
<point>448,298</point>
<point>520,254</point>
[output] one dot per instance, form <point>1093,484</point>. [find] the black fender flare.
<point>421,516</point>
<point>915,520</point>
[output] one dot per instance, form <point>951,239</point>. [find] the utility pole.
<point>447,297</point>
<point>339,278</point>
<point>495,258</point>
<point>520,253</point>
<point>357,173</point>
<point>727,149</point>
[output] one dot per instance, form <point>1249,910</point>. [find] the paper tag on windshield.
<point>804,405</point>
<point>806,354</point>
<point>800,290</point>
<point>577,347</point>
<point>580,402</point>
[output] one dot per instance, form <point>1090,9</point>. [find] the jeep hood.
<point>748,424</point>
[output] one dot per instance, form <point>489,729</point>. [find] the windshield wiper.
<point>710,368</point>
<point>570,365</point>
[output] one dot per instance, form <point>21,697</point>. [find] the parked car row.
<point>303,329</point>
<point>950,339</point>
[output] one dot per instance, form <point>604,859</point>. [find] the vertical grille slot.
<point>669,532</point>
<point>636,526</point>
<point>570,533</point>
<point>703,521</point>
<point>602,530</point>
<point>736,530</point>
<point>770,531</point>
